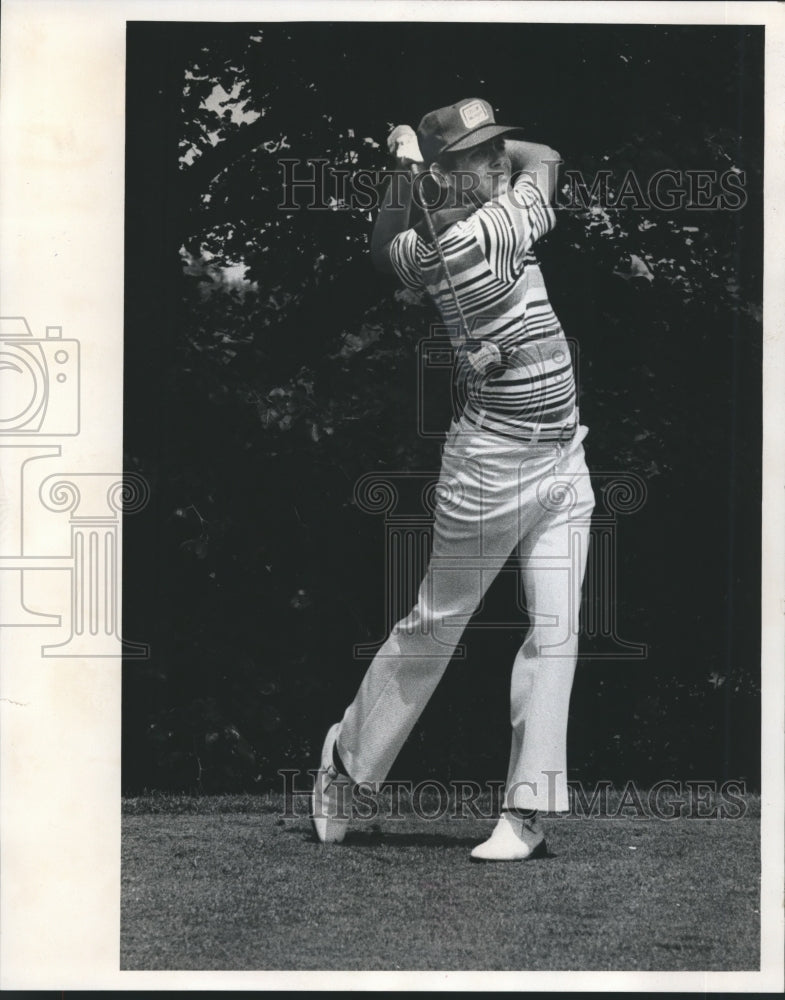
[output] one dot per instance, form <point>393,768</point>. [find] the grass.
<point>225,883</point>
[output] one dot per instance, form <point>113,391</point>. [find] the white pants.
<point>494,496</point>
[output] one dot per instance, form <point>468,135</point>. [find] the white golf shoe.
<point>331,801</point>
<point>513,839</point>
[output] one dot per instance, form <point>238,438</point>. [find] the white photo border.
<point>62,134</point>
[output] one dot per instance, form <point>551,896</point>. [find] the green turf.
<point>225,883</point>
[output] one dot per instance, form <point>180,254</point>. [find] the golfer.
<point>513,477</point>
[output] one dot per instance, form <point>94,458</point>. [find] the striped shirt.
<point>503,298</point>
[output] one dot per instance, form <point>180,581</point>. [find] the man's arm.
<point>393,218</point>
<point>541,163</point>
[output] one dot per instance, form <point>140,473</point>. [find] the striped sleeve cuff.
<point>403,258</point>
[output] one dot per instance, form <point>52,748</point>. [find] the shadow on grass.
<point>377,838</point>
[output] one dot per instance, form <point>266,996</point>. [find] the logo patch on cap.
<point>474,114</point>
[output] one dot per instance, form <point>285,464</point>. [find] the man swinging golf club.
<point>513,475</point>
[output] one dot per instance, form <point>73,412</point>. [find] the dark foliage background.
<point>254,407</point>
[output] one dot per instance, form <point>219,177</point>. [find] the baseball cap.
<point>458,126</point>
